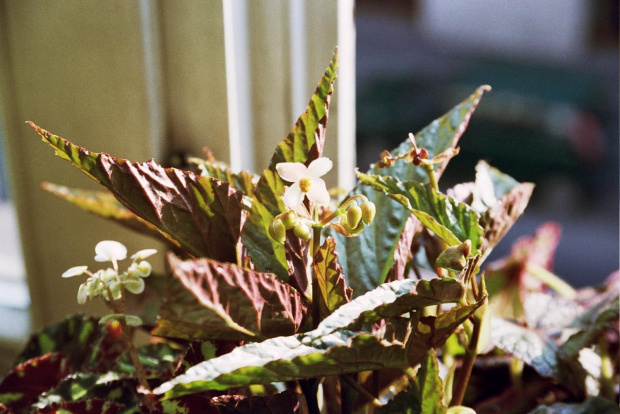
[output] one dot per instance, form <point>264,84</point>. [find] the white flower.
<point>75,271</point>
<point>306,182</point>
<point>110,251</point>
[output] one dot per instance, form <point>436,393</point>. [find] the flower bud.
<point>368,212</point>
<point>354,215</point>
<point>302,231</point>
<point>423,153</point>
<point>277,231</point>
<point>82,294</point>
<point>454,257</point>
<point>289,219</point>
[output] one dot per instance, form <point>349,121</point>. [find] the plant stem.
<point>432,177</point>
<point>607,372</point>
<point>357,387</point>
<point>467,365</point>
<point>516,373</point>
<point>316,289</point>
<point>551,280</point>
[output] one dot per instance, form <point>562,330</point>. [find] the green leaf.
<point>450,220</point>
<point>332,348</point>
<point>334,291</point>
<point>158,361</point>
<point>303,144</point>
<point>368,258</point>
<point>430,385</point>
<point>243,181</point>
<point>74,337</point>
<point>191,211</point>
<point>229,302</point>
<point>103,204</point>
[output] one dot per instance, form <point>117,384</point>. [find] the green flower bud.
<point>302,231</point>
<point>277,231</point>
<point>354,215</point>
<point>454,257</point>
<point>289,219</point>
<point>368,211</point>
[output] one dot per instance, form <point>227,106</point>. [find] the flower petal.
<point>109,249</point>
<point>143,254</point>
<point>75,271</point>
<point>291,171</point>
<point>319,167</point>
<point>318,192</point>
<point>293,196</point>
<point>135,286</point>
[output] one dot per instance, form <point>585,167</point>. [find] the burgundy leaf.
<point>334,291</point>
<point>230,302</point>
<point>95,405</point>
<point>403,249</point>
<point>32,378</point>
<point>203,216</point>
<point>297,259</point>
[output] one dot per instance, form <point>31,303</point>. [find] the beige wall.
<point>77,69</point>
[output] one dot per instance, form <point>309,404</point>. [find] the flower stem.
<point>551,280</point>
<point>316,289</point>
<point>133,354</point>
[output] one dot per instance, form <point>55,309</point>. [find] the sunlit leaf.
<point>243,181</point>
<point>103,204</point>
<point>191,211</point>
<point>330,349</point>
<point>430,385</point>
<point>334,291</point>
<point>303,144</point>
<point>225,301</point>
<point>540,353</point>
<point>368,258</point>
<point>450,220</point>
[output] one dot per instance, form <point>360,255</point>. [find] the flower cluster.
<point>307,182</point>
<point>106,282</point>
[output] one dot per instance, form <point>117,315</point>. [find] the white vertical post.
<point>238,84</point>
<point>346,94</point>
<point>299,70</point>
<point>153,75</point>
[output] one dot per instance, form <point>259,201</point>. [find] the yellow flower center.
<point>305,184</point>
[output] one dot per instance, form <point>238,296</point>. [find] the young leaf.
<point>303,144</point>
<point>103,204</point>
<point>334,290</point>
<point>450,220</point>
<point>368,258</point>
<point>332,348</point>
<point>503,199</point>
<point>191,211</point>
<point>233,303</point>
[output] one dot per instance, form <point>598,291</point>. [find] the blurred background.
<point>142,79</point>
<point>551,117</point>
